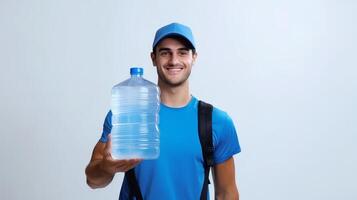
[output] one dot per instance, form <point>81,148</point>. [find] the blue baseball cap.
<point>174,29</point>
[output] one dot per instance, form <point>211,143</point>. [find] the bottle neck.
<point>136,76</point>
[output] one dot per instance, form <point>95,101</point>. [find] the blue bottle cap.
<point>136,71</point>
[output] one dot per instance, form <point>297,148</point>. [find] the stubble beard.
<point>171,83</point>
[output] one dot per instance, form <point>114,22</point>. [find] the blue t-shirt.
<point>178,173</point>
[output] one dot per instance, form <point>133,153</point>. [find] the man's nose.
<point>173,59</point>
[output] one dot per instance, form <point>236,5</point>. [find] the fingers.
<point>113,165</point>
<point>125,165</point>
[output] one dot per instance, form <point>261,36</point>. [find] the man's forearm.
<point>227,195</point>
<point>97,177</point>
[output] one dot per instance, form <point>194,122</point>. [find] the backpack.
<point>205,135</point>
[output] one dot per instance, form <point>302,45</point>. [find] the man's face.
<point>173,61</point>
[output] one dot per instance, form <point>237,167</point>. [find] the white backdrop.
<point>284,70</point>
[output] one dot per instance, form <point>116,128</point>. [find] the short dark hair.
<point>184,41</point>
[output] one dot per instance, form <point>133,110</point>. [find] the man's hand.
<point>112,166</point>
<point>102,167</point>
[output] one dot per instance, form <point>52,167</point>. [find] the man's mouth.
<point>174,70</point>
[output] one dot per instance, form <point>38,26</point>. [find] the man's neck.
<point>176,97</point>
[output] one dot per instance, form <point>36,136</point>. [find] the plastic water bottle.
<point>135,107</point>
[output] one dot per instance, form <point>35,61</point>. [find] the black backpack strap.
<point>134,189</point>
<point>205,134</point>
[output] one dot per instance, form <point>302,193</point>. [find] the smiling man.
<point>180,171</point>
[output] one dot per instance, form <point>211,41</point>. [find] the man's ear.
<point>194,57</point>
<point>153,59</point>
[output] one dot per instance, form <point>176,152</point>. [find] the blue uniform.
<point>178,173</point>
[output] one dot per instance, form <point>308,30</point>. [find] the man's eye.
<point>183,53</point>
<point>164,53</point>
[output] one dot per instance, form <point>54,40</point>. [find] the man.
<point>179,171</point>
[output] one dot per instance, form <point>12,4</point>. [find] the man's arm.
<point>224,181</point>
<point>102,167</point>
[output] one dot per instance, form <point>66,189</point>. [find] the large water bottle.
<point>135,107</point>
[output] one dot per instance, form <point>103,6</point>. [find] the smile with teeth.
<point>174,70</point>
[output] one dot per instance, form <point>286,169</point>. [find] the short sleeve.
<point>225,137</point>
<point>107,127</point>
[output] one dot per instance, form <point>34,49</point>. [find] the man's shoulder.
<point>219,115</point>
